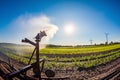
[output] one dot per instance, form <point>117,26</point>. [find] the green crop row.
<point>84,64</point>
<point>26,50</point>
<point>82,58</point>
<point>78,50</point>
<point>59,62</point>
<point>75,63</point>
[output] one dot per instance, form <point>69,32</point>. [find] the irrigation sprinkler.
<point>38,38</point>
<point>9,72</point>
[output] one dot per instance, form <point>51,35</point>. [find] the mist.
<point>27,26</point>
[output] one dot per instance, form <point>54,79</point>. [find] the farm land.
<point>65,59</point>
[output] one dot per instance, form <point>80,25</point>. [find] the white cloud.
<point>29,25</point>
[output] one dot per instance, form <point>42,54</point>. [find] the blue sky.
<point>91,20</point>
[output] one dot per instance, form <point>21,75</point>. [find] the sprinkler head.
<point>40,35</point>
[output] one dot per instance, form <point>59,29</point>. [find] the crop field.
<point>65,57</point>
<point>78,50</point>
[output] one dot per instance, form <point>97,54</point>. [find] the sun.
<point>69,28</point>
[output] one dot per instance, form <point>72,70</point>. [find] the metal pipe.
<point>31,56</point>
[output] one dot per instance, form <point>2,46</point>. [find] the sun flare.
<point>69,28</point>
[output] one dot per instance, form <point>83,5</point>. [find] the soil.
<point>100,71</point>
<point>94,73</point>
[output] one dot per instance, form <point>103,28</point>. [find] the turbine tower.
<point>91,41</point>
<point>106,35</point>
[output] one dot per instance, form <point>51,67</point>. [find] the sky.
<point>66,22</point>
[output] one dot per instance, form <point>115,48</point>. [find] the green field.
<point>78,50</point>
<point>99,54</point>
